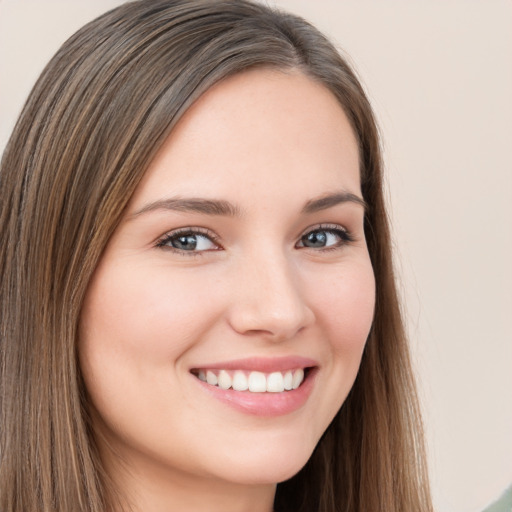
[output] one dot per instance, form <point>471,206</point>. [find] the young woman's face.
<point>241,259</point>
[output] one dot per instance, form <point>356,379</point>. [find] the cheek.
<point>344,302</point>
<point>137,314</point>
<point>346,307</point>
<point>134,331</point>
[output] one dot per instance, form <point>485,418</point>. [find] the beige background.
<point>439,74</point>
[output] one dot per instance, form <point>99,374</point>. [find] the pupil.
<point>316,239</point>
<point>186,242</point>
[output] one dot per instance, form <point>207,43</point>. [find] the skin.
<point>268,142</point>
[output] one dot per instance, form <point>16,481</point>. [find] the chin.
<point>263,464</point>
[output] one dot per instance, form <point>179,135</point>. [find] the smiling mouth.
<point>253,381</point>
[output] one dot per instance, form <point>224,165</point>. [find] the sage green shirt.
<point>504,504</point>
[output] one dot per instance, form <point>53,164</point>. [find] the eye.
<point>189,240</point>
<point>325,237</point>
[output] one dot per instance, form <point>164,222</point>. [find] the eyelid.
<point>162,241</point>
<point>333,228</point>
<point>324,226</point>
<point>189,230</point>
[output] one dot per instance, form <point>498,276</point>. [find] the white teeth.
<point>256,382</point>
<point>240,382</point>
<point>298,377</point>
<point>224,380</point>
<point>288,381</point>
<point>211,378</point>
<point>275,382</point>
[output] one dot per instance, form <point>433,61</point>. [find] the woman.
<point>198,305</point>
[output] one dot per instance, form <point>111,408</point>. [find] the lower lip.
<point>264,404</point>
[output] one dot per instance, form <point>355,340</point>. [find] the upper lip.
<point>261,364</point>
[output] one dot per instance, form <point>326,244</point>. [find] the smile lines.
<point>254,382</point>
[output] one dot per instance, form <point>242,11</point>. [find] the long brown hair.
<point>92,124</point>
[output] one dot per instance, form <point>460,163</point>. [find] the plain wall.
<point>439,74</point>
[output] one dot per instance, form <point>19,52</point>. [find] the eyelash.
<point>344,235</point>
<point>173,235</point>
<point>165,241</point>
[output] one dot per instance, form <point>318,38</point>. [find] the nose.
<point>269,301</point>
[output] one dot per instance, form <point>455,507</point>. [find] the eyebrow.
<point>225,208</point>
<point>193,204</point>
<point>330,200</point>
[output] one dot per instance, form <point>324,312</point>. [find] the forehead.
<point>262,125</point>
